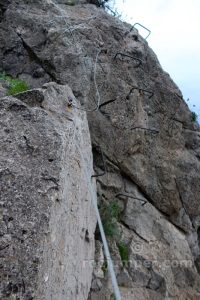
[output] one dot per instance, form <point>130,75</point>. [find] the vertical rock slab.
<point>47,218</point>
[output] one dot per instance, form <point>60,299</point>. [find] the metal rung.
<point>112,11</point>
<point>133,57</point>
<point>178,96</point>
<point>106,103</point>
<point>129,196</point>
<point>142,27</point>
<point>147,129</point>
<point>162,89</point>
<point>140,90</point>
<point>168,92</point>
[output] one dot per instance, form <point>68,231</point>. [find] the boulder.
<point>47,216</point>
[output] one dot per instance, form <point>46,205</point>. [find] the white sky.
<point>175,38</point>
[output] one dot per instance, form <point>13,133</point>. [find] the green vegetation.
<point>112,296</point>
<point>194,117</point>
<point>70,2</point>
<point>105,268</point>
<point>110,214</point>
<point>123,250</point>
<point>15,85</point>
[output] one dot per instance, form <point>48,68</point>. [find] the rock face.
<point>47,217</point>
<point>145,130</point>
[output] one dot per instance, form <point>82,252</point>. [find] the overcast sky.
<point>175,38</point>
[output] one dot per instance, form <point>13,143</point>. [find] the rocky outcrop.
<point>47,216</point>
<point>138,116</point>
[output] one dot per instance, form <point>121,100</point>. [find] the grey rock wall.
<point>150,143</point>
<point>47,216</point>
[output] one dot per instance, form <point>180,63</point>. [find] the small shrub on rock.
<point>15,85</point>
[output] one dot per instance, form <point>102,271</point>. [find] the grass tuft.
<point>110,214</point>
<point>15,85</point>
<point>194,117</point>
<point>124,253</point>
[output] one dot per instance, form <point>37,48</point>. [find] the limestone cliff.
<point>47,217</point>
<point>150,143</point>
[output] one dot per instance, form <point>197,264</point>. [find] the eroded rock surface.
<point>47,217</point>
<point>150,143</point>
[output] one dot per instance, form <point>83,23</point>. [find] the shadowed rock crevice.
<point>3,6</point>
<point>43,65</point>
